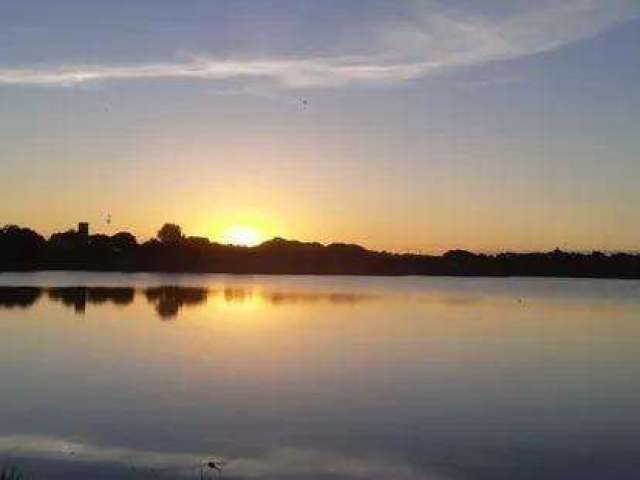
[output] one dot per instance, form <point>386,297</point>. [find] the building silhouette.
<point>83,232</point>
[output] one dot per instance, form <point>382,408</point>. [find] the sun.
<point>243,235</point>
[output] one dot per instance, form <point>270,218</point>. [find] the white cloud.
<point>450,37</point>
<point>430,39</point>
<point>283,72</point>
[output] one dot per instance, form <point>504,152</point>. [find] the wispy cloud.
<point>496,81</point>
<point>429,40</point>
<point>283,72</point>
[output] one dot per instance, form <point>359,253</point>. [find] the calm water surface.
<point>108,376</point>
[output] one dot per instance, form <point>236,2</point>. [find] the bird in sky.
<point>216,465</point>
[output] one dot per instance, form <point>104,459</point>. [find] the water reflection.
<point>51,454</point>
<point>19,297</point>
<point>283,298</point>
<point>78,297</point>
<point>314,378</point>
<point>168,301</point>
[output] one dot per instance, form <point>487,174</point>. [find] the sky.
<point>406,126</point>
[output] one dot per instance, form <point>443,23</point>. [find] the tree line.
<point>23,249</point>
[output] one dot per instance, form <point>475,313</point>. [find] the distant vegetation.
<point>22,249</point>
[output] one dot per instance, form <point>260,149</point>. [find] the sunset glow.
<point>412,126</point>
<point>349,239</point>
<point>242,235</point>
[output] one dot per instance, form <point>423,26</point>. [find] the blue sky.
<point>430,125</point>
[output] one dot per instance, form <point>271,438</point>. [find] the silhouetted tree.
<point>100,241</point>
<point>198,242</point>
<point>123,241</point>
<point>68,240</point>
<point>20,248</point>
<point>170,233</point>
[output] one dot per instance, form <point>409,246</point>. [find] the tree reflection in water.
<point>167,301</point>
<point>78,297</point>
<point>19,297</point>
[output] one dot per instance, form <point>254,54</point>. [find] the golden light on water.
<point>243,235</point>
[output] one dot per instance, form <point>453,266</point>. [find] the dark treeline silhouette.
<point>22,249</point>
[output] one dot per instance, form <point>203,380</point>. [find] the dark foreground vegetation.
<point>22,249</point>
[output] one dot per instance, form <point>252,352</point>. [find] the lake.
<point>114,376</point>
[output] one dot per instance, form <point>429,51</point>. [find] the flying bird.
<point>217,465</point>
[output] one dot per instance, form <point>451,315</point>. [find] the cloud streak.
<point>429,40</point>
<point>286,73</point>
